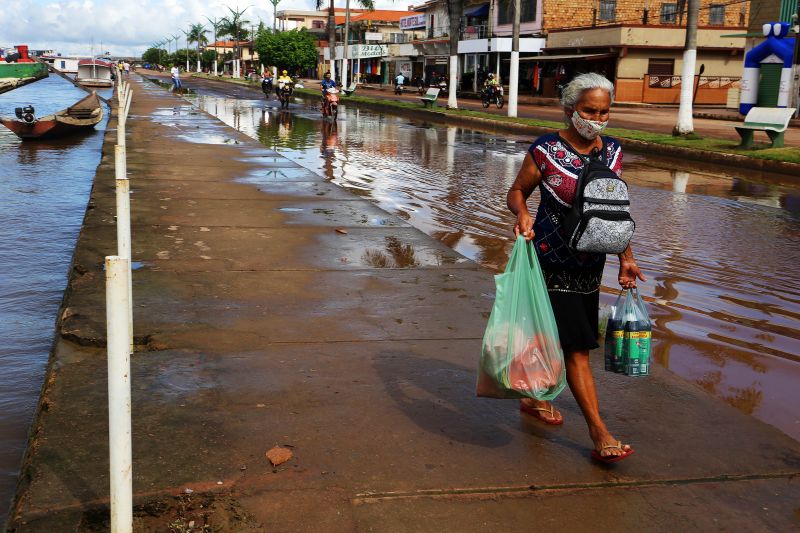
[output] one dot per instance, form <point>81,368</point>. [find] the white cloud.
<point>125,27</point>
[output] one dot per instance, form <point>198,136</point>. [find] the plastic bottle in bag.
<point>614,339</point>
<point>637,337</point>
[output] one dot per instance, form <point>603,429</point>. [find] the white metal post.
<point>123,205</point>
<point>119,394</point>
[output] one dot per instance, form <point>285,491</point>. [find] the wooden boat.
<point>82,115</point>
<point>95,73</point>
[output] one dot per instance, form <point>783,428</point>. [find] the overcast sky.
<point>126,27</point>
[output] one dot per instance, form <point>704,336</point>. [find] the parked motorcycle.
<point>285,90</point>
<point>330,104</point>
<point>493,95</point>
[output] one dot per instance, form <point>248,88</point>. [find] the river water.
<point>44,187</point>
<point>720,247</point>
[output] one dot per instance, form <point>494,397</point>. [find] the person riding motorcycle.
<point>266,83</point>
<point>490,84</point>
<point>325,84</point>
<point>283,79</point>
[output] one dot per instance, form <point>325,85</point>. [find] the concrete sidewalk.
<point>274,308</point>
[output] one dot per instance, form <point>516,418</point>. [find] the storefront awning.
<point>567,57</point>
<point>477,11</point>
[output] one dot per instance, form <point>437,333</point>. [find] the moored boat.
<point>94,73</point>
<point>82,115</point>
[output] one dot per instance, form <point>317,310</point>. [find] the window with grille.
<point>505,12</point>
<point>716,15</point>
<point>608,9</point>
<point>669,13</point>
<point>317,24</point>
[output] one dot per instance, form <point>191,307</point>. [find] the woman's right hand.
<point>524,225</point>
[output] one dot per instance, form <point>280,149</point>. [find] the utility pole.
<point>274,15</point>
<point>346,45</point>
<point>685,125</point>
<point>186,33</point>
<point>513,79</point>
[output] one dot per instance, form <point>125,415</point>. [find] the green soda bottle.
<point>636,343</point>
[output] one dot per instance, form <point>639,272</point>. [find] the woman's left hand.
<point>628,272</point>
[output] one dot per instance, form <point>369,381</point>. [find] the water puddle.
<point>719,246</point>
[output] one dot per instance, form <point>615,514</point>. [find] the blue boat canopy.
<point>477,11</point>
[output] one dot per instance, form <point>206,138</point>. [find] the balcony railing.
<point>475,32</point>
<point>705,82</point>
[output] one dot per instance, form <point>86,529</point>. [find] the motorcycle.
<point>398,89</point>
<point>330,103</point>
<point>493,95</point>
<point>284,93</point>
<point>266,87</point>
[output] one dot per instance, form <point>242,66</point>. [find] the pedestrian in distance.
<point>126,67</point>
<point>572,278</point>
<point>176,78</point>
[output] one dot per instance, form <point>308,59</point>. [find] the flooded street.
<point>720,248</point>
<point>44,187</point>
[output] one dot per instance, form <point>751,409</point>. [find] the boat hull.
<point>82,116</point>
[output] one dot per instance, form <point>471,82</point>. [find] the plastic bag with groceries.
<point>521,355</point>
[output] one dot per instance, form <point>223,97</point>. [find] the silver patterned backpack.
<point>599,220</point>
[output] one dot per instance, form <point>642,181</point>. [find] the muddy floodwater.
<point>720,247</point>
<point>44,187</point>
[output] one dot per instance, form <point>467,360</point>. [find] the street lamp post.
<point>214,24</point>
<point>186,33</point>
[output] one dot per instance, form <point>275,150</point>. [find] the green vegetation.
<point>291,50</point>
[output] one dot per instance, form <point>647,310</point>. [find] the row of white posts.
<point>119,333</point>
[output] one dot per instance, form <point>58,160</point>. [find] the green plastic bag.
<point>521,355</point>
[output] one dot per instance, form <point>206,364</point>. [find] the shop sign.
<point>414,21</point>
<point>373,36</point>
<point>368,50</point>
<point>404,68</point>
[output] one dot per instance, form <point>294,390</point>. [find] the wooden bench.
<point>430,97</point>
<point>350,90</point>
<point>771,120</point>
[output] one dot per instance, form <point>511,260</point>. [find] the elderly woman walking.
<point>573,279</point>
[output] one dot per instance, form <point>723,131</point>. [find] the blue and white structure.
<point>776,49</point>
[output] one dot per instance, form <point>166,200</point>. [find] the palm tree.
<point>216,24</point>
<point>197,34</point>
<point>455,10</point>
<point>331,33</point>
<point>233,25</point>
<point>366,4</point>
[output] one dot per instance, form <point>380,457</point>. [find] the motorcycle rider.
<point>325,84</point>
<point>283,79</point>
<point>266,83</point>
<point>490,85</point>
<point>400,80</point>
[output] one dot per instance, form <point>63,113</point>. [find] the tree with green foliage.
<point>153,55</point>
<point>197,34</point>
<point>291,50</point>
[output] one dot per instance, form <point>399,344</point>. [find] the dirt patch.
<point>196,512</point>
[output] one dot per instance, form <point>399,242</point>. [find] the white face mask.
<point>588,129</point>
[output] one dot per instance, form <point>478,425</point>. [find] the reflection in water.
<point>720,250</point>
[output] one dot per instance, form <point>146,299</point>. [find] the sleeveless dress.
<point>572,278</point>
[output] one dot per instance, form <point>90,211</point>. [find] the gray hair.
<point>582,83</point>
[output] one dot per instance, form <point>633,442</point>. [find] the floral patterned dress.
<point>573,278</point>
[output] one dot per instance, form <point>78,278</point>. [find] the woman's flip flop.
<point>536,412</point>
<point>608,459</point>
